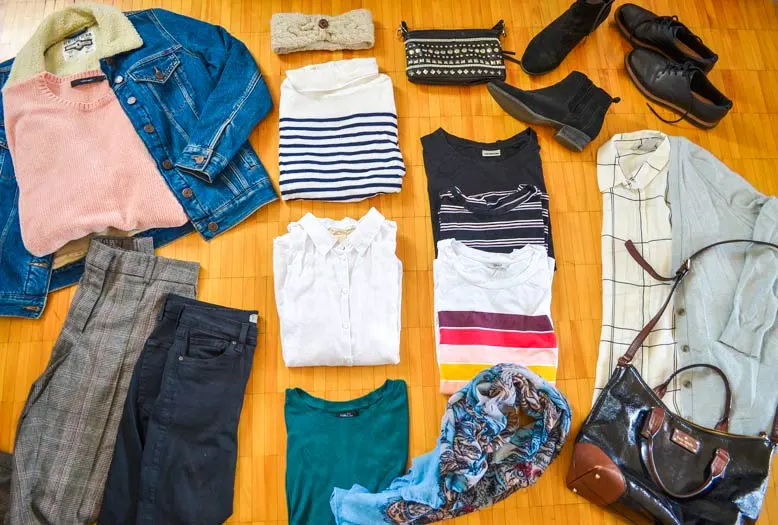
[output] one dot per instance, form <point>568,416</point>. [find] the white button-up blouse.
<point>338,286</point>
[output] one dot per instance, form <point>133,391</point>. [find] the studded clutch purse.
<point>454,56</point>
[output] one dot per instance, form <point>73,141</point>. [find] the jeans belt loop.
<point>178,315</point>
<point>244,332</point>
<point>161,313</point>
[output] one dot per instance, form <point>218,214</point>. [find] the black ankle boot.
<point>550,47</point>
<point>575,107</point>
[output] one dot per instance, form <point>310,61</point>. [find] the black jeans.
<point>176,448</point>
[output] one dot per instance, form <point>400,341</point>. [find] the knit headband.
<point>291,32</point>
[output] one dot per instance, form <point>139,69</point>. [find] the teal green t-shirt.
<point>339,443</point>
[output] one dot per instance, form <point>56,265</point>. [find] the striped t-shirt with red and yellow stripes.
<point>492,308</point>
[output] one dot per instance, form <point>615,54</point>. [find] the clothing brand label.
<point>78,45</point>
<point>340,234</point>
<point>684,440</point>
<point>349,413</point>
<point>490,153</point>
<point>88,80</point>
<point>253,318</point>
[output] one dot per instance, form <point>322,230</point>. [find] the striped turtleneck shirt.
<point>338,133</point>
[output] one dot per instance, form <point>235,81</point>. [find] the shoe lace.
<point>668,22</point>
<point>685,69</point>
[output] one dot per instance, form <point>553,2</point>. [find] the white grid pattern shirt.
<point>632,175</point>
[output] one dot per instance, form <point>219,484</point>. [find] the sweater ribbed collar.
<point>114,34</point>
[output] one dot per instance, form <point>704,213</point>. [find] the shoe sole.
<point>669,105</point>
<point>635,41</point>
<point>570,137</point>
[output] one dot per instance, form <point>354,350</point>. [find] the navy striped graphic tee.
<point>495,221</point>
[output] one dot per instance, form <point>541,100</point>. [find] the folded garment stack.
<point>338,133</point>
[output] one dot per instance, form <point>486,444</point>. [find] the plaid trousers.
<point>67,429</point>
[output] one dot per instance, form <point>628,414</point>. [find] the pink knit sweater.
<point>80,165</point>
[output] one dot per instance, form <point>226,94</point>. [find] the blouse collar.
<point>653,148</point>
<point>360,239</point>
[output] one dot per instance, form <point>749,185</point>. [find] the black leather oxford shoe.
<point>684,88</point>
<point>663,34</point>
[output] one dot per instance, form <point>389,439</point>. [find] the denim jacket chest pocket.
<point>165,78</point>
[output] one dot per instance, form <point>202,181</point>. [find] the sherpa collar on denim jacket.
<point>113,34</point>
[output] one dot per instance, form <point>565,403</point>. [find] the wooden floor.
<point>237,270</point>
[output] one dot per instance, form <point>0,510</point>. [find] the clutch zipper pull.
<point>508,55</point>
<point>500,28</point>
<point>402,31</point>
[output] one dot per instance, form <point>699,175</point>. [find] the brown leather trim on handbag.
<point>651,427</point>
<point>636,344</point>
<point>594,475</point>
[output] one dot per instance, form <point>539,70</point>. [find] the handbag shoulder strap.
<point>676,279</point>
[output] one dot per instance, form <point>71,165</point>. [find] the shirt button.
<point>681,311</point>
<point>180,358</point>
<point>345,326</point>
<point>148,128</point>
<point>685,348</point>
<point>118,80</point>
<point>131,100</point>
<point>167,164</point>
<point>187,192</point>
<point>687,384</point>
<point>344,291</point>
<point>213,226</point>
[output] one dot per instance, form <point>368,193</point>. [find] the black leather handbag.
<point>636,457</point>
<point>454,56</point>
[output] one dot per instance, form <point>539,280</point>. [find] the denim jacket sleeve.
<point>239,101</point>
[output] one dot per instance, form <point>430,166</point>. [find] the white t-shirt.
<point>492,308</point>
<point>338,286</point>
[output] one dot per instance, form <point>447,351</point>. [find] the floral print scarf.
<point>500,432</point>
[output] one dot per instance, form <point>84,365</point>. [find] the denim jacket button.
<point>324,24</point>
<point>187,192</point>
<point>213,226</point>
<point>167,164</point>
<point>198,158</point>
<point>131,100</point>
<point>148,128</point>
<point>118,80</point>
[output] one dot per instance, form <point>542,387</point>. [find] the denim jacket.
<point>193,93</point>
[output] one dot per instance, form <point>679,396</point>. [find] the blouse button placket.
<point>343,282</point>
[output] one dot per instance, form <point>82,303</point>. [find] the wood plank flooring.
<point>237,269</point>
